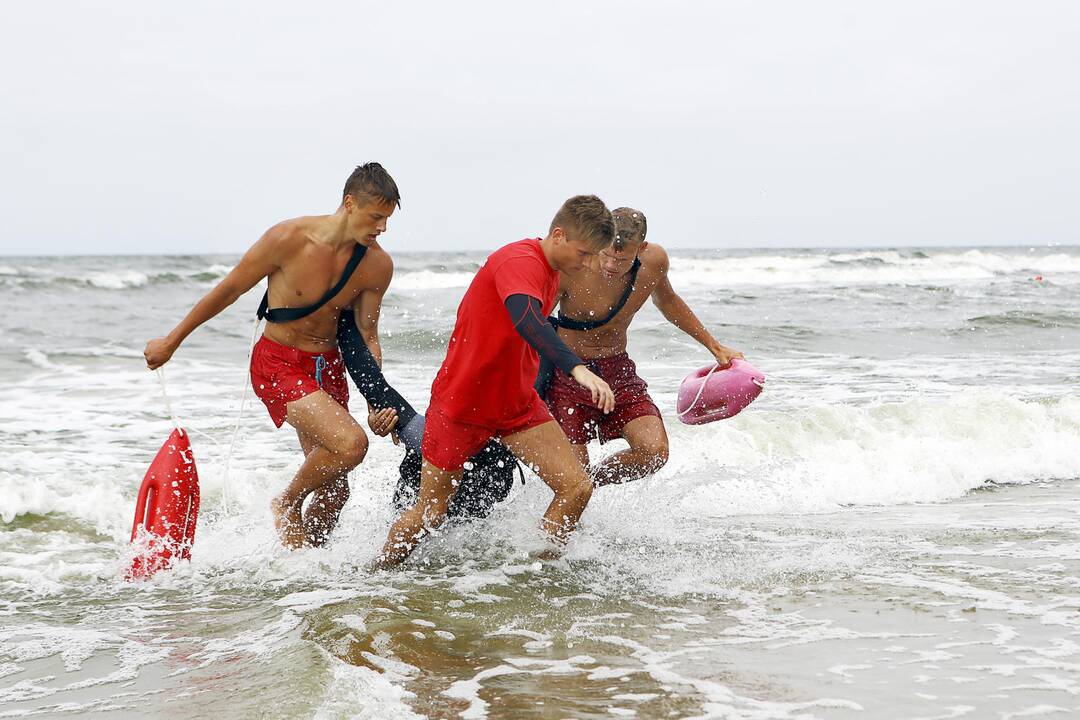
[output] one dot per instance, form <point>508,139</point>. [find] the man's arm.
<point>679,314</point>
<point>262,259</point>
<point>525,314</point>
<point>368,306</point>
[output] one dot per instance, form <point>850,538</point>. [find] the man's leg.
<point>648,452</point>
<point>437,487</point>
<point>581,452</point>
<point>334,444</point>
<point>327,501</point>
<point>578,420</point>
<point>546,448</point>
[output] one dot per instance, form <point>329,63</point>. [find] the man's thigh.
<point>320,419</point>
<point>646,432</point>
<point>546,448</point>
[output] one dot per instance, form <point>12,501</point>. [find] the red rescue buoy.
<point>167,508</point>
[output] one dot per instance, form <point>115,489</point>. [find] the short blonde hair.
<point>588,218</point>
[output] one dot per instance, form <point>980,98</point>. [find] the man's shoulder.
<point>527,250</point>
<point>378,265</point>
<point>529,247</point>
<point>289,234</point>
<point>653,257</point>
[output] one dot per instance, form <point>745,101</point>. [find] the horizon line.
<point>674,248</point>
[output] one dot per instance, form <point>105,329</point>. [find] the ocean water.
<point>892,530</point>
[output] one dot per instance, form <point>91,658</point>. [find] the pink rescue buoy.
<point>714,393</point>
<point>166,509</point>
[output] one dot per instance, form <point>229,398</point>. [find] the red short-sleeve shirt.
<point>488,374</point>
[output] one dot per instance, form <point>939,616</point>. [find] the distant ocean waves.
<point>423,271</point>
<point>38,276</point>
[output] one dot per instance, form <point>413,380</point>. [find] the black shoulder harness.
<point>583,325</point>
<point>288,314</point>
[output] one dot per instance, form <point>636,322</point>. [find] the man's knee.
<point>655,449</point>
<point>351,447</point>
<point>659,454</point>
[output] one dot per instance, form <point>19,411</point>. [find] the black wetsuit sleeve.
<point>367,374</point>
<point>527,316</point>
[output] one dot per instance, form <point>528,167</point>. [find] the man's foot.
<point>289,522</point>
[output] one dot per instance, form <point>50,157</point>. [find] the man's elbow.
<point>370,333</point>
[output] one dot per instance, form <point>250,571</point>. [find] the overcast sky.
<point>184,127</point>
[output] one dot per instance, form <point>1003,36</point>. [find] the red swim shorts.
<point>281,374</point>
<point>448,443</point>
<point>581,420</point>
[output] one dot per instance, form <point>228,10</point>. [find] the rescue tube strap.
<point>288,314</point>
<point>585,325</point>
<point>701,389</point>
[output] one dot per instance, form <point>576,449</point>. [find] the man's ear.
<point>558,235</point>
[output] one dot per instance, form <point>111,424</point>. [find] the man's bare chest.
<point>597,299</point>
<point>300,284</point>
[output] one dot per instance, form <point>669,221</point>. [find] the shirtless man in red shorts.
<point>296,369</point>
<point>484,388</point>
<point>596,307</point>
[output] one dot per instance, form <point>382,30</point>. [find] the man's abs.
<point>316,333</point>
<point>593,344</point>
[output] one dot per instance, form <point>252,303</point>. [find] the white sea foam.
<point>811,459</point>
<point>218,270</point>
<point>364,694</point>
<point>430,280</point>
<point>868,268</point>
<point>117,280</point>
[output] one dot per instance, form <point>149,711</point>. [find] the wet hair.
<point>371,181</point>
<point>588,218</point>
<point>630,227</point>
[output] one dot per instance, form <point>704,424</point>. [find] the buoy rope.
<point>239,416</point>
<point>700,390</point>
<point>172,415</point>
<point>168,405</point>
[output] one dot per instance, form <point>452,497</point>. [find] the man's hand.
<point>601,393</point>
<point>157,352</point>
<point>724,355</point>
<point>382,423</point>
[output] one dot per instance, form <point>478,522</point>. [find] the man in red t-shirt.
<point>484,388</point>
